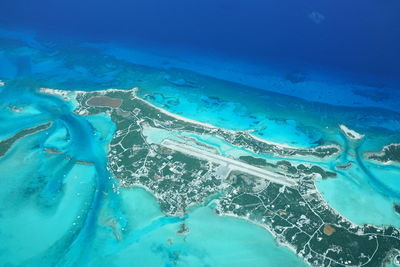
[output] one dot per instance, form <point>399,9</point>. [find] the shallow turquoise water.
<point>78,204</point>
<point>350,193</point>
<point>40,207</point>
<point>223,241</point>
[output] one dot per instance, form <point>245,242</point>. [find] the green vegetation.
<point>297,216</point>
<point>388,153</point>
<point>253,161</point>
<point>286,167</point>
<point>6,144</point>
<point>396,207</point>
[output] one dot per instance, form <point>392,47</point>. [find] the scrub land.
<point>293,211</point>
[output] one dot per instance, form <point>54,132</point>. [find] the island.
<point>182,172</point>
<point>351,134</point>
<point>389,153</point>
<point>6,144</point>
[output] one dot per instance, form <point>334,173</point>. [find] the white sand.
<point>67,94</point>
<point>353,135</point>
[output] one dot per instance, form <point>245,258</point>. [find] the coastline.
<point>284,146</point>
<point>7,143</point>
<point>349,90</point>
<point>353,225</point>
<point>381,153</point>
<point>175,104</point>
<point>176,116</point>
<point>183,215</point>
<point>278,243</point>
<point>351,134</point>
<point>61,93</point>
<point>67,94</point>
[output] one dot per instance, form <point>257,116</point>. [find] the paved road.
<point>230,163</point>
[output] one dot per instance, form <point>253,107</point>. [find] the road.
<point>232,164</point>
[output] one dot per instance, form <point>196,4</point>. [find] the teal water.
<point>350,193</point>
<point>73,212</point>
<point>40,208</point>
<point>150,239</point>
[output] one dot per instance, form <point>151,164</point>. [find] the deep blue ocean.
<point>357,37</point>
<point>290,71</point>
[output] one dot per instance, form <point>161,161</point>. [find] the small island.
<point>6,144</point>
<point>389,153</point>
